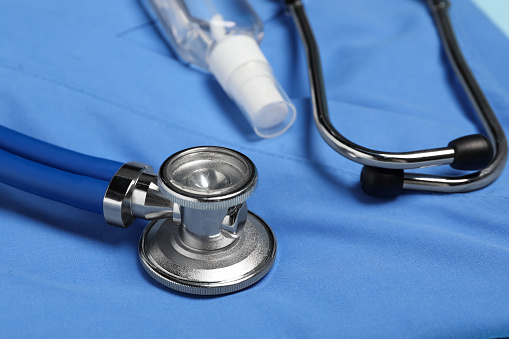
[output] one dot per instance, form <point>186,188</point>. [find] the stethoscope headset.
<point>383,172</point>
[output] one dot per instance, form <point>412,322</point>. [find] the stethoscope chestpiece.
<point>211,244</point>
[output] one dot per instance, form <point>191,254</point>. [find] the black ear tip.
<point>382,181</point>
<point>472,152</point>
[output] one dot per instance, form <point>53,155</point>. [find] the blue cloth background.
<point>94,76</point>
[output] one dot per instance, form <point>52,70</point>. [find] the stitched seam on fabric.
<point>145,115</point>
<point>174,125</point>
<point>135,28</point>
<point>97,97</point>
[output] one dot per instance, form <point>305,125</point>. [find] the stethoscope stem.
<point>383,173</point>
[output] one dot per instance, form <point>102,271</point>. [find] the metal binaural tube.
<point>345,147</point>
<point>481,105</point>
<point>416,159</point>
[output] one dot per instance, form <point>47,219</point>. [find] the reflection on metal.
<point>204,241</point>
<point>488,170</point>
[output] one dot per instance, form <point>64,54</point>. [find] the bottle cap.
<point>245,74</point>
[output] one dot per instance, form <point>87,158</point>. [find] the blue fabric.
<point>95,77</point>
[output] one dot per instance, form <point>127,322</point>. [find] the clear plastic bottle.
<point>222,36</point>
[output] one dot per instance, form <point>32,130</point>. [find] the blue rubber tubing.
<point>71,189</point>
<point>56,157</point>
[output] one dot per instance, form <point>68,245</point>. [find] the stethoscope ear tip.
<point>472,152</point>
<point>382,182</point>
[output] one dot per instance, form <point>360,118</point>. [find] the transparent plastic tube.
<point>222,36</point>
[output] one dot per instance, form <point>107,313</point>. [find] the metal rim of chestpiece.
<point>223,177</point>
<point>203,239</point>
<point>383,171</point>
<point>226,270</point>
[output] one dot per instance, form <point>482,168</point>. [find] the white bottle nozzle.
<point>245,74</point>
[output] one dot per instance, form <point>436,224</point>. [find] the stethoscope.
<point>383,172</point>
<point>202,239</point>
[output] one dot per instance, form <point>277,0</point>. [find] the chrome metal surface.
<point>235,219</point>
<point>201,229</point>
<point>212,229</point>
<point>206,241</point>
<point>173,263</point>
<point>342,145</point>
<point>408,160</point>
<point>207,178</point>
<point>209,185</point>
<point>133,193</point>
<point>481,105</point>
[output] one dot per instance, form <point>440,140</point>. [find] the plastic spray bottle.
<point>222,36</point>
